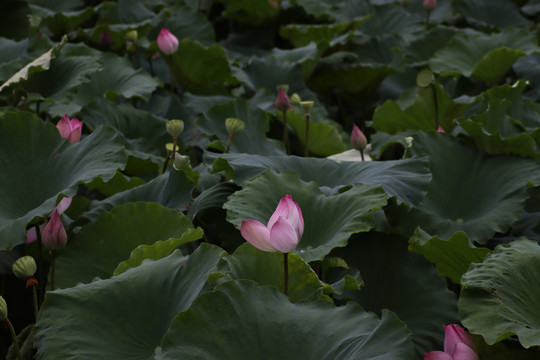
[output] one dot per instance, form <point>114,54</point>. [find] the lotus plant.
<point>358,140</point>
<point>282,233</point>
<point>70,129</point>
<point>458,345</point>
<point>283,103</point>
<point>167,42</point>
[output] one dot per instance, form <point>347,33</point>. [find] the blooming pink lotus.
<point>54,235</point>
<point>70,129</point>
<point>458,345</point>
<point>282,103</point>
<point>358,139</point>
<point>62,206</point>
<point>283,232</point>
<point>167,42</point>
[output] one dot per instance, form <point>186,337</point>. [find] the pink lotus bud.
<point>458,345</point>
<point>167,42</point>
<point>106,40</point>
<point>440,129</point>
<point>429,5</point>
<point>283,103</point>
<point>358,139</point>
<point>54,235</point>
<point>70,129</point>
<point>283,232</point>
<point>62,206</point>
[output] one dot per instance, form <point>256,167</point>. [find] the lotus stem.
<point>306,152</point>
<point>286,273</point>
<point>285,132</point>
<point>14,337</point>
<point>34,295</point>
<point>229,143</point>
<point>53,261</point>
<point>362,155</point>
<point>436,104</point>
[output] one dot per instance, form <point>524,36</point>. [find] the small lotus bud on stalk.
<point>174,127</point>
<point>295,99</point>
<point>105,40</point>
<point>24,268</point>
<point>306,105</point>
<point>283,103</point>
<point>233,126</point>
<point>167,42</point>
<point>54,237</point>
<point>70,129</point>
<point>4,317</point>
<point>358,140</point>
<point>429,5</point>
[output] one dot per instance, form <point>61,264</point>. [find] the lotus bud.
<point>174,127</point>
<point>181,162</point>
<point>167,42</point>
<point>70,129</point>
<point>106,40</point>
<point>282,102</point>
<point>429,5</point>
<point>132,36</point>
<point>24,267</point>
<point>295,99</point>
<point>3,309</point>
<point>54,235</point>
<point>234,125</point>
<point>358,139</point>
<point>440,129</point>
<point>307,106</point>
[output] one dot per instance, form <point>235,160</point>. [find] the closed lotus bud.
<point>429,5</point>
<point>358,139</point>
<point>24,267</point>
<point>181,162</point>
<point>106,40</point>
<point>307,105</point>
<point>234,125</point>
<point>54,235</point>
<point>174,127</point>
<point>282,103</point>
<point>132,36</point>
<point>70,129</point>
<point>167,42</point>
<point>3,309</point>
<point>295,99</point>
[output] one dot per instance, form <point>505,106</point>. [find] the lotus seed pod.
<point>24,267</point>
<point>175,127</point>
<point>132,35</point>
<point>295,99</point>
<point>307,105</point>
<point>3,309</point>
<point>234,125</point>
<point>285,87</point>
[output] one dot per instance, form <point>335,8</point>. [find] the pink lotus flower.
<point>283,232</point>
<point>282,103</point>
<point>458,345</point>
<point>62,206</point>
<point>54,235</point>
<point>70,129</point>
<point>167,42</point>
<point>440,129</point>
<point>430,4</point>
<point>358,139</point>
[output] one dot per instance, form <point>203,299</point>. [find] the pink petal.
<point>31,235</point>
<point>296,218</point>
<point>464,352</point>
<point>54,234</point>
<point>76,130</point>
<point>64,127</point>
<point>282,210</point>
<point>167,42</point>
<point>257,235</point>
<point>62,205</point>
<point>453,335</point>
<point>283,236</point>
<point>437,355</point>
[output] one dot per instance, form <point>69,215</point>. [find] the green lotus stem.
<point>40,261</point>
<point>229,143</point>
<point>169,156</point>
<point>53,261</point>
<point>286,273</point>
<point>362,155</point>
<point>285,132</point>
<point>306,152</point>
<point>434,89</point>
<point>34,295</point>
<point>14,337</point>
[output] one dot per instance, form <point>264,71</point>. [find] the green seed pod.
<point>307,105</point>
<point>132,35</point>
<point>175,127</point>
<point>295,99</point>
<point>234,125</point>
<point>24,267</point>
<point>3,309</point>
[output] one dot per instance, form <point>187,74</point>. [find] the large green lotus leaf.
<point>117,79</point>
<point>528,68</point>
<point>63,22</point>
<point>252,139</point>
<point>392,19</point>
<point>306,56</point>
<point>323,139</point>
<point>213,197</point>
<point>404,283</point>
<point>126,316</point>
<point>202,70</point>
<point>259,198</point>
<point>499,297</point>
<point>15,24</point>
<point>302,35</point>
<point>266,268</point>
<point>317,8</point>
<point>254,12</point>
<point>58,165</point>
<point>172,189</point>
<point>144,133</point>
<point>186,23</point>
<point>423,114</point>
<point>158,250</point>
<point>452,257</point>
<point>14,56</point>
<point>407,180</point>
<point>470,191</point>
<point>420,50</point>
<point>98,247</point>
<point>492,13</point>
<point>124,12</point>
<point>58,6</point>
<point>486,57</point>
<point>118,183</point>
<point>240,320</point>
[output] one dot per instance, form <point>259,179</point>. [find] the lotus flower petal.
<point>283,235</point>
<point>257,234</point>
<point>437,355</point>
